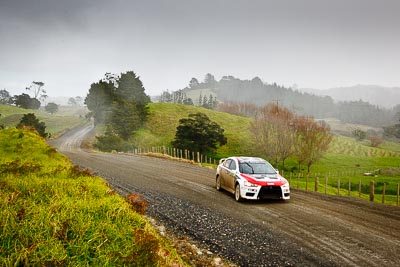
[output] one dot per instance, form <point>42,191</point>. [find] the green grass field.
<point>65,118</point>
<point>52,214</point>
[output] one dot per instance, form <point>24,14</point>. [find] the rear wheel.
<point>238,198</point>
<point>218,183</point>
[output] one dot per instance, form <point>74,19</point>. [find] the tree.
<point>5,97</point>
<point>30,120</point>
<point>359,134</point>
<point>121,103</point>
<point>199,134</point>
<point>25,101</point>
<point>124,119</point>
<point>375,140</point>
<point>273,133</point>
<point>37,89</point>
<point>51,108</point>
<point>130,89</point>
<point>312,141</point>
<point>72,101</point>
<point>193,83</point>
<point>99,100</point>
<point>209,80</point>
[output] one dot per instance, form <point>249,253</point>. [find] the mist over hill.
<point>350,108</point>
<point>387,97</point>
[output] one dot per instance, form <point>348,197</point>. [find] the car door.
<point>224,173</point>
<point>231,177</point>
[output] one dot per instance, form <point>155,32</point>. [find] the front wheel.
<point>238,198</point>
<point>218,183</point>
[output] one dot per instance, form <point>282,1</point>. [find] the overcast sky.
<point>312,43</point>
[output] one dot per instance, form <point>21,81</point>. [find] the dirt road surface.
<point>309,230</point>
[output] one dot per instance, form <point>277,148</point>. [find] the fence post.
<point>308,174</point>
<point>326,184</point>
<point>338,186</point>
<point>371,191</point>
<point>198,156</point>
<point>359,189</point>
<point>398,193</point>
<point>298,179</point>
<point>383,193</point>
<point>316,184</point>
<point>349,187</point>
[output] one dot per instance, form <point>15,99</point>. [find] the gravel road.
<point>309,230</point>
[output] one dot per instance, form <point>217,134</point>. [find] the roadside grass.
<point>66,118</point>
<point>52,213</point>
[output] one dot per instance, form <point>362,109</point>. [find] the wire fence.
<point>354,183</point>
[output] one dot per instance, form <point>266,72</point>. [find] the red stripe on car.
<point>263,183</point>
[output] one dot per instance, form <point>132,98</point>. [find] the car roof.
<point>250,159</point>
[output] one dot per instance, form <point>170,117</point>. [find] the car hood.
<point>265,179</point>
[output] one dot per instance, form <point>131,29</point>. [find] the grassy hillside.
<point>344,153</point>
<point>164,118</point>
<point>65,118</point>
<point>52,214</point>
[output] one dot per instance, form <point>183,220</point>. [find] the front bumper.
<point>265,192</point>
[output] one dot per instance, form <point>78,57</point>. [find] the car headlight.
<point>248,184</point>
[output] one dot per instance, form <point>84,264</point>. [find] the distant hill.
<point>368,105</point>
<point>387,97</point>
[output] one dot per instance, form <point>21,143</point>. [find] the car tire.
<point>238,198</point>
<point>218,183</point>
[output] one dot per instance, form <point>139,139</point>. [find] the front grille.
<point>270,191</point>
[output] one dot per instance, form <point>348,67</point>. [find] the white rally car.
<point>251,178</point>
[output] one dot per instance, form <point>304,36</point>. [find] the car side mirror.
<point>277,171</point>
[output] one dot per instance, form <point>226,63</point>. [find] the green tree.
<point>51,108</point>
<point>30,120</point>
<point>99,100</point>
<point>124,119</point>
<point>25,101</point>
<point>199,134</point>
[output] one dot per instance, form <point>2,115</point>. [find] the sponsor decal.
<point>250,179</point>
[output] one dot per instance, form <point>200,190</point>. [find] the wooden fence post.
<point>298,179</point>
<point>326,184</point>
<point>307,181</point>
<point>338,186</point>
<point>371,191</point>
<point>359,189</point>
<point>316,184</point>
<point>383,193</point>
<point>349,187</point>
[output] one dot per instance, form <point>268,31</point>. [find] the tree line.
<point>30,100</point>
<point>230,89</point>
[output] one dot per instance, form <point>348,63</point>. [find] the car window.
<point>232,166</point>
<point>256,168</point>
<point>227,162</point>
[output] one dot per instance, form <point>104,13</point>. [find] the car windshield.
<point>256,168</point>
